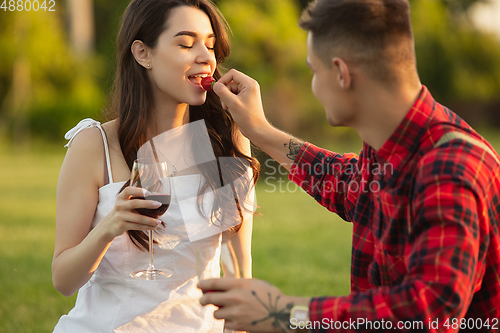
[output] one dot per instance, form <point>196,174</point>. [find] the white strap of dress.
<point>88,123</point>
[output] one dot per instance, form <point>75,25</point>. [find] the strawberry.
<point>207,83</point>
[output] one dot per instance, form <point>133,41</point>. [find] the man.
<point>426,244</point>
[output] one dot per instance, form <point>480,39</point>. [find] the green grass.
<point>29,302</point>
<point>297,245</point>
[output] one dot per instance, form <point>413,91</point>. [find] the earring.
<point>149,65</point>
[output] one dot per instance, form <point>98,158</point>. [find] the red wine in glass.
<point>152,176</point>
<point>162,198</point>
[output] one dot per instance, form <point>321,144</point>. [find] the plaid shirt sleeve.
<point>444,260</point>
<point>326,176</point>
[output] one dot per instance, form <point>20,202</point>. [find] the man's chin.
<point>334,122</point>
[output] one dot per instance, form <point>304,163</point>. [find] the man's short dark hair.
<point>376,34</point>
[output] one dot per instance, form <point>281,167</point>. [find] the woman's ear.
<point>344,75</point>
<point>141,54</point>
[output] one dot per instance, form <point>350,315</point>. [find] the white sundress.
<point>112,301</point>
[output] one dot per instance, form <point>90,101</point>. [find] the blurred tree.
<point>62,88</point>
<point>303,3</point>
<point>81,21</point>
<point>457,62</point>
<point>19,94</point>
<point>461,5</point>
<point>108,14</point>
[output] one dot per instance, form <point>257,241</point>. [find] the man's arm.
<point>240,95</point>
<point>442,270</point>
<point>281,146</point>
<point>445,255</point>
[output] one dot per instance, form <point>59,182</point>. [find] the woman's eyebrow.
<point>192,34</point>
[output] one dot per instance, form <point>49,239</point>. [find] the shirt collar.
<point>405,141</point>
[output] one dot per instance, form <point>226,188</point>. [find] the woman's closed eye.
<point>211,48</point>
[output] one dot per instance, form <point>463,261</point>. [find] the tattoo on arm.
<point>281,317</point>
<point>294,146</point>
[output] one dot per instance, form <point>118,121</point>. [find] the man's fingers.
<point>234,81</point>
<point>215,291</point>
<point>213,297</point>
<point>226,95</point>
<point>223,313</point>
<point>222,284</point>
<point>234,87</point>
<point>232,75</point>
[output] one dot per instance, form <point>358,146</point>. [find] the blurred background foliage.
<point>48,84</point>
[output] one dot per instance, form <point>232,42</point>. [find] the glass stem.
<point>151,267</point>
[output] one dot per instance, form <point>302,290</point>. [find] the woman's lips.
<point>196,82</point>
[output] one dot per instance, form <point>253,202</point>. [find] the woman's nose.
<point>206,56</point>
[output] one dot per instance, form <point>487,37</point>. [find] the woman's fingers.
<point>134,198</point>
<point>125,215</point>
<point>135,203</point>
<point>141,222</point>
<point>131,191</point>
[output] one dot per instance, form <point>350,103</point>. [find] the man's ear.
<point>141,54</point>
<point>344,75</point>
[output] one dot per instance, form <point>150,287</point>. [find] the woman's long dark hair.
<point>132,98</point>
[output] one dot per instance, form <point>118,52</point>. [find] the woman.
<point>164,46</point>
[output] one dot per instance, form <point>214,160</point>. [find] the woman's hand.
<point>124,216</point>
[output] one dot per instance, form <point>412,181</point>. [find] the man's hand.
<point>240,95</point>
<point>249,304</point>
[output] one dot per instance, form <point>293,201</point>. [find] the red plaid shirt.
<point>426,243</point>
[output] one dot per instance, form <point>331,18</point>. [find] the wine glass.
<point>229,263</point>
<point>151,175</point>
<point>229,260</point>
<point>204,254</point>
